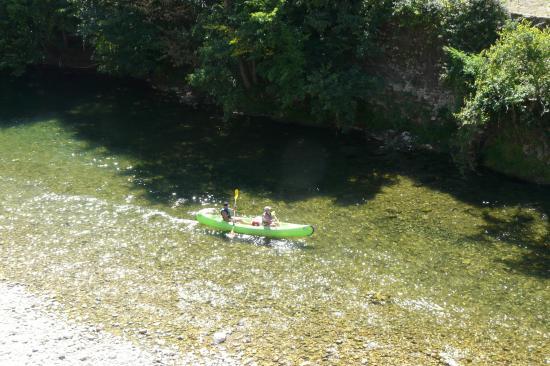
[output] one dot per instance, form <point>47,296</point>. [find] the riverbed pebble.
<point>30,334</point>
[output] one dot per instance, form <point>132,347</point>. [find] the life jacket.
<point>227,211</point>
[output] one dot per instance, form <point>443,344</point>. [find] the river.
<point>410,263</point>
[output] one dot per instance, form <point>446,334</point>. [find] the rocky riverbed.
<point>33,332</point>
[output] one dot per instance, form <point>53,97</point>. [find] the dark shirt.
<point>227,212</point>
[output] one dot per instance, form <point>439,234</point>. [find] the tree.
<point>507,85</point>
<point>29,28</point>
<point>285,55</point>
<point>139,38</point>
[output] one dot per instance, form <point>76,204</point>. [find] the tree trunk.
<point>244,75</point>
<point>253,72</point>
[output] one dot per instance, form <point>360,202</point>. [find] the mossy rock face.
<point>520,152</point>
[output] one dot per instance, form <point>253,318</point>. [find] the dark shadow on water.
<point>518,230</point>
<point>193,153</point>
<point>528,228</point>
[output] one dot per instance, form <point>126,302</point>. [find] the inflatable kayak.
<point>212,218</point>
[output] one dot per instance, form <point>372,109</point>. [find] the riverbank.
<point>33,331</point>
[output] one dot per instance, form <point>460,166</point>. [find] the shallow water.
<point>410,263</point>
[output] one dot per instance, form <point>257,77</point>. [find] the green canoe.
<point>212,218</point>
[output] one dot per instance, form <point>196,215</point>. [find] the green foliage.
<point>469,25</point>
<point>472,25</point>
<point>460,71</point>
<point>513,79</point>
<point>511,86</point>
<point>139,38</point>
<point>136,38</point>
<point>292,54</point>
<point>28,28</point>
<point>416,13</point>
<point>124,43</point>
<point>309,55</point>
<point>270,56</point>
<point>337,94</point>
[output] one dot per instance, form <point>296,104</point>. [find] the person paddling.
<point>269,218</point>
<point>227,214</point>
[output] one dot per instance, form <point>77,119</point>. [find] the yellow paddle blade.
<point>236,194</point>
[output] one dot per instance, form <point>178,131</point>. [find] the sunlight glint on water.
<point>408,264</point>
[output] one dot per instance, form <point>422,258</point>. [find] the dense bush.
<point>138,37</point>
<point>270,56</point>
<point>469,25</point>
<point>310,55</point>
<point>28,28</point>
<point>472,25</point>
<point>303,54</point>
<point>505,85</point>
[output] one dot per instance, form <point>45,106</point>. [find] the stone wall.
<point>410,64</point>
<point>411,95</point>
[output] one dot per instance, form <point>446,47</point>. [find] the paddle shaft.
<point>234,212</point>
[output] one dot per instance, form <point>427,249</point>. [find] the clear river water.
<point>410,264</point>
